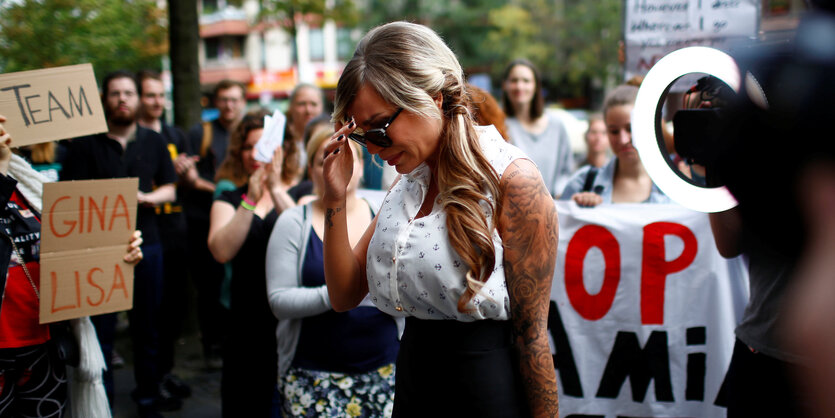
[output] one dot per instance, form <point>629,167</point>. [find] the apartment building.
<point>236,44</point>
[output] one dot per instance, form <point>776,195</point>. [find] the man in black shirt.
<point>172,229</point>
<point>207,144</point>
<point>128,150</point>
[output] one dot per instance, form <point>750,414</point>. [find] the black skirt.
<point>460,369</point>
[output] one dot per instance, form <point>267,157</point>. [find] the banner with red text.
<point>645,312</point>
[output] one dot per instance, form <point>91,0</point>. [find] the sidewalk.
<point>205,385</point>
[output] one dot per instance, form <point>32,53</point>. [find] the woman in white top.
<point>464,244</point>
<point>539,134</point>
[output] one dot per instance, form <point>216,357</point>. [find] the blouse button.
<point>393,259</point>
<point>398,309</point>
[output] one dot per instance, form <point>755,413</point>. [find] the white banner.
<point>654,28</point>
<point>646,312</point>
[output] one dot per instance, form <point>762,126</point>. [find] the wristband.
<point>246,199</point>
<point>246,205</point>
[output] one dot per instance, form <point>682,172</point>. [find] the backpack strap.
<point>590,176</point>
<point>207,139</point>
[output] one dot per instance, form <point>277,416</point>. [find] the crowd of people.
<point>316,299</point>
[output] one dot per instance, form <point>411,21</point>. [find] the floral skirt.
<point>313,393</point>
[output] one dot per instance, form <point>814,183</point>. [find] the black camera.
<point>759,148</point>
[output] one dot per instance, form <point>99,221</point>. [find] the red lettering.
<point>54,278</point>
<point>592,307</point>
<point>118,282</point>
<point>655,267</point>
<point>99,213</point>
<point>80,214</point>
<point>52,223</point>
<point>93,283</point>
<point>120,203</point>
<point>643,64</point>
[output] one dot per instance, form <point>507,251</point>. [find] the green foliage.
<point>287,13</point>
<point>110,34</point>
<point>571,41</point>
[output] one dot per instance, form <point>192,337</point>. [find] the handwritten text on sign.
<point>85,230</point>
<point>654,28</point>
<point>51,104</point>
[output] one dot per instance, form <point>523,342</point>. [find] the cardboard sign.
<point>51,104</point>
<point>85,228</point>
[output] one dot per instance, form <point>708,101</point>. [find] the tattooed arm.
<point>528,228</point>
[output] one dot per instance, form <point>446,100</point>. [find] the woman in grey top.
<point>540,135</point>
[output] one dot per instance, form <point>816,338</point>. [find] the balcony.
<point>228,21</point>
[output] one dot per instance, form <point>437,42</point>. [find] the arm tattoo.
<point>329,212</point>
<point>530,231</point>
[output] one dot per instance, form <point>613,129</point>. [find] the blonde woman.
<point>464,244</point>
<point>335,364</point>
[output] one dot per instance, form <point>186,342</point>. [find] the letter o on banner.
<point>592,307</point>
<point>646,116</point>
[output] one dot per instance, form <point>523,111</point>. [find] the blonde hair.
<point>409,65</point>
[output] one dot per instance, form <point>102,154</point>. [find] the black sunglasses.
<point>376,136</point>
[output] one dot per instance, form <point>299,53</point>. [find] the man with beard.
<point>207,142</point>
<point>129,150</point>
<point>172,229</point>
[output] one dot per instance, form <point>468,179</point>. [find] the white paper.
<point>271,138</point>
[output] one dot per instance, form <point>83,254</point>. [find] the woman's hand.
<point>587,199</point>
<point>134,254</point>
<point>256,184</point>
<point>273,170</point>
<point>5,150</point>
<point>339,163</point>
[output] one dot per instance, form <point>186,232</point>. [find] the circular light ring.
<point>696,59</point>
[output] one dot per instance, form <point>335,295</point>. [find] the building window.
<point>224,47</point>
<point>317,44</point>
<point>210,6</point>
<point>344,44</point>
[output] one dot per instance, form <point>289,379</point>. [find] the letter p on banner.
<point>655,267</point>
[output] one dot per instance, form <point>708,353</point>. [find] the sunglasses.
<point>376,136</point>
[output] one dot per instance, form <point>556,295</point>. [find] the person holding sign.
<point>32,377</point>
<point>241,221</point>
<point>623,179</point>
<point>464,245</point>
<point>129,150</point>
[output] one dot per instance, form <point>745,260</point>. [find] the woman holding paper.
<point>333,364</point>
<point>33,378</point>
<point>240,224</point>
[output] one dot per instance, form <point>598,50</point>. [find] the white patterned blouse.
<point>413,270</point>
